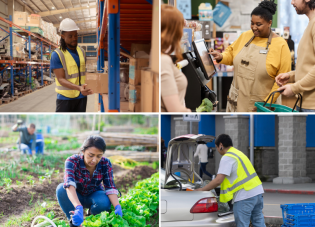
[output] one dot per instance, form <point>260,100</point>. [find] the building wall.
<point>266,163</point>
<point>310,162</point>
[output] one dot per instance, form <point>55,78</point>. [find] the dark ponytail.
<point>94,141</point>
<point>266,9</point>
<point>63,45</point>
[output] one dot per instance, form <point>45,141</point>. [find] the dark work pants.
<point>76,105</point>
<point>203,169</point>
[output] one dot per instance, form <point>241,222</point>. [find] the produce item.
<point>206,106</point>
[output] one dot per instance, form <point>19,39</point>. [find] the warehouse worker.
<point>68,64</point>
<point>258,57</point>
<point>82,187</point>
<point>239,181</point>
<point>202,152</point>
<point>28,143</point>
<point>302,79</point>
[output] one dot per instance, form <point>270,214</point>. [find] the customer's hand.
<point>118,210</point>
<point>282,79</point>
<point>216,55</point>
<point>254,109</point>
<point>77,218</point>
<point>287,91</point>
<point>85,91</point>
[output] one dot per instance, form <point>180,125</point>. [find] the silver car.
<point>180,206</point>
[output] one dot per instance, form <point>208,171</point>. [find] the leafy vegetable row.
<point>138,206</point>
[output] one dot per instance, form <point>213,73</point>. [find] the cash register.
<point>199,70</point>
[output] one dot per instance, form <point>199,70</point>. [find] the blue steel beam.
<point>49,64</point>
<point>127,51</point>
<point>150,1</point>
<point>30,57</point>
<point>11,54</point>
<point>41,57</point>
<point>113,59</point>
<point>101,57</point>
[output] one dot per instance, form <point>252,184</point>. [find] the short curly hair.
<point>310,4</point>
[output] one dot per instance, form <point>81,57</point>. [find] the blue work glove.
<point>77,218</point>
<point>118,210</point>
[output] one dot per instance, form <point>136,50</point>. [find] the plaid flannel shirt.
<point>77,175</point>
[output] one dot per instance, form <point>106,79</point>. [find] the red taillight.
<point>205,205</point>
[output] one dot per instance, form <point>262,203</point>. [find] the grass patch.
<point>29,215</point>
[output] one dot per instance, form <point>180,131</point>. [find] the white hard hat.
<point>68,25</point>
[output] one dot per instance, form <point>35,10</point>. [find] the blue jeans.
<point>97,202</point>
<point>304,110</point>
<point>26,148</point>
<point>204,170</point>
<point>249,210</point>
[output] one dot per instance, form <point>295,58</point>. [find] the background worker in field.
<point>239,181</point>
<point>68,64</point>
<point>28,142</point>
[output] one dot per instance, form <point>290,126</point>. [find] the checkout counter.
<point>198,68</point>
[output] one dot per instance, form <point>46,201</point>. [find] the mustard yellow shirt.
<point>278,58</point>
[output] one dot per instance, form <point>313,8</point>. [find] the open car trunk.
<point>180,156</point>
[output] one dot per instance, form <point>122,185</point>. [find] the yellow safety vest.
<point>71,72</point>
<point>247,177</point>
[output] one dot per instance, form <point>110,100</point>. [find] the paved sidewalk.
<point>308,188</point>
<point>272,201</point>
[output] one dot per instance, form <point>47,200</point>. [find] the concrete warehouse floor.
<point>42,100</point>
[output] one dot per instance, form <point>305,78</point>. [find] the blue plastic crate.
<point>300,214</point>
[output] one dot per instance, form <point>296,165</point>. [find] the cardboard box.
<point>98,82</point>
<point>156,92</point>
<point>134,98</point>
<point>34,20</point>
<point>150,91</point>
<point>20,18</point>
<point>135,47</point>
<point>147,83</point>
<point>135,66</point>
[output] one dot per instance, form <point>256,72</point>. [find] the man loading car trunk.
<point>240,182</point>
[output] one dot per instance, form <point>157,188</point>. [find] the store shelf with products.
<point>121,25</point>
<point>21,66</point>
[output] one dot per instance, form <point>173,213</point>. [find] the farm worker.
<point>68,64</point>
<point>82,187</point>
<point>258,56</point>
<point>240,182</point>
<point>28,143</point>
<point>202,152</point>
<point>302,79</point>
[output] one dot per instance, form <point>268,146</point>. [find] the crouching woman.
<point>83,178</point>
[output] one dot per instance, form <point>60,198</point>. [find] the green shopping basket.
<point>261,106</point>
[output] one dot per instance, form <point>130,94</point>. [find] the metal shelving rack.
<point>37,66</point>
<point>120,23</point>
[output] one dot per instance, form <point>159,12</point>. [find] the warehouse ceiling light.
<point>60,17</point>
<point>53,7</point>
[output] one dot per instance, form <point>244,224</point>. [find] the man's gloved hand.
<point>19,122</point>
<point>77,218</point>
<point>118,210</point>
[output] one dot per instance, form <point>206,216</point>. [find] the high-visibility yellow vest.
<point>71,72</point>
<point>247,177</point>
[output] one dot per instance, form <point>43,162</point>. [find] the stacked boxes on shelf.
<point>37,24</point>
<point>139,59</point>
